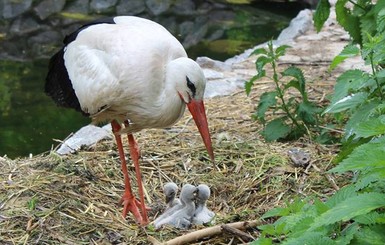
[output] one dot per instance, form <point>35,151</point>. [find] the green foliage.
<point>350,50</point>
<point>299,114</point>
<point>371,154</point>
<point>355,214</point>
<point>322,14</point>
<point>275,129</point>
<point>32,203</point>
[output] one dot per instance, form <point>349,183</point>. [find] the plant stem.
<point>356,4</point>
<point>280,95</point>
<point>375,77</point>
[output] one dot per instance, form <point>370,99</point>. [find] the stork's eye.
<point>191,86</point>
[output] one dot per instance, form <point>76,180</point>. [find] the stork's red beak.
<point>197,109</point>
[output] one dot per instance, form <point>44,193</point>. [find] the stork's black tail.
<point>58,85</point>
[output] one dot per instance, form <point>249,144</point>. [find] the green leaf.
<point>348,21</point>
<point>307,112</point>
<point>380,74</point>
<point>341,195</point>
<point>369,155</point>
<point>381,21</point>
<point>276,212</point>
<point>268,229</point>
<point>371,218</point>
<point>371,127</point>
<point>260,64</point>
<point>349,82</point>
<point>320,206</point>
<point>349,102</point>
<point>292,84</point>
<point>293,221</point>
<point>347,234</point>
<point>350,208</point>
<point>367,178</point>
<point>267,100</point>
<point>249,84</point>
<point>367,26</point>
<point>302,225</point>
<point>373,51</point>
<point>262,241</point>
<point>295,72</point>
<point>275,129</point>
<point>259,51</point>
<point>348,146</point>
<point>281,50</point>
<point>361,114</point>
<point>310,238</point>
<point>297,205</point>
<point>349,50</point>
<point>321,14</point>
<point>373,235</point>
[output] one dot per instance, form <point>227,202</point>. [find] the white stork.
<point>128,71</point>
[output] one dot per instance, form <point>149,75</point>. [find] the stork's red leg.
<point>128,199</point>
<point>134,151</point>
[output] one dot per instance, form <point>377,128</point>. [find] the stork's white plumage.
<point>133,71</point>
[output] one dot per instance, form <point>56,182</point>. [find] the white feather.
<point>131,70</point>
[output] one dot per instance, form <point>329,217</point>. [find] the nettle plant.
<point>356,213</point>
<point>293,115</point>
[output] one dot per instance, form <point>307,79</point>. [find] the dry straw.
<point>51,199</point>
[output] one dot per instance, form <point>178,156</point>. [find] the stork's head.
<point>190,85</point>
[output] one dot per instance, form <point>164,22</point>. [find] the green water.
<point>30,121</point>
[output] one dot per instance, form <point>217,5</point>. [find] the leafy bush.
<point>298,114</point>
<point>356,213</point>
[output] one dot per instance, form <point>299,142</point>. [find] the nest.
<point>52,199</point>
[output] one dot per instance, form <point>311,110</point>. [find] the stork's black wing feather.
<point>58,84</point>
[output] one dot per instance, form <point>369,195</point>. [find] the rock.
<point>78,6</point>
<point>132,7</point>
<point>206,62</point>
<point>193,33</point>
<point>102,6</point>
<point>40,44</point>
<point>12,8</point>
<point>158,7</point>
<point>86,136</point>
<point>298,26</point>
<point>45,37</point>
<point>170,23</point>
<point>184,7</point>
<point>223,87</point>
<point>299,157</point>
<point>23,26</point>
<point>212,74</point>
<point>48,7</point>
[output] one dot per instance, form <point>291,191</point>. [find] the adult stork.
<point>133,73</point>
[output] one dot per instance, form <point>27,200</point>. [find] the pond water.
<point>30,121</point>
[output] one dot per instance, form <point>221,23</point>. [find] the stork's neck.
<point>171,105</point>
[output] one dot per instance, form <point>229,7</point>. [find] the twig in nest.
<point>246,237</point>
<point>204,233</point>
<point>332,182</point>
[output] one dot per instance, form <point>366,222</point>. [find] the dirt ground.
<point>52,199</point>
